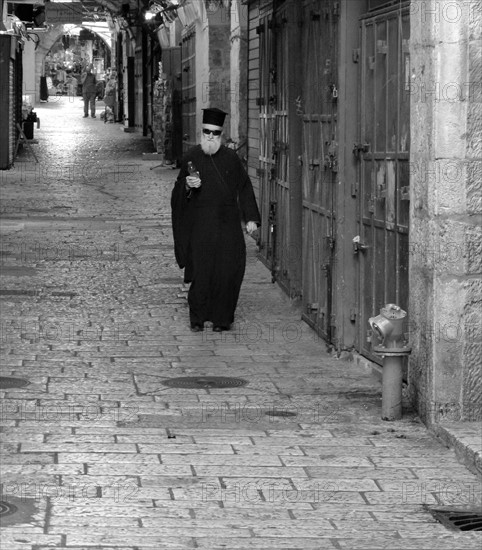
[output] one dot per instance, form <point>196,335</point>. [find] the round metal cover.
<point>280,413</point>
<point>204,382</point>
<point>8,382</point>
<point>6,508</point>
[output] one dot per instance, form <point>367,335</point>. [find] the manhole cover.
<point>19,511</point>
<point>7,382</point>
<point>204,382</point>
<point>459,520</point>
<point>17,292</point>
<point>6,508</point>
<point>64,294</point>
<point>280,413</point>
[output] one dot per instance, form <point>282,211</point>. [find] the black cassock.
<point>208,237</point>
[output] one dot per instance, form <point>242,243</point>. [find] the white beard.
<point>210,147</point>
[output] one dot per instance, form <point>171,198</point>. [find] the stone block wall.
<point>445,374</point>
<point>214,63</point>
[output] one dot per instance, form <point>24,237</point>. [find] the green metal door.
<point>383,157</point>
<point>139,88</point>
<point>274,141</point>
<point>318,108</point>
<point>188,91</point>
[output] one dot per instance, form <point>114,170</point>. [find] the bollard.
<point>392,347</point>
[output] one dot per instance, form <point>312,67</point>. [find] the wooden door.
<point>383,156</point>
<point>317,107</point>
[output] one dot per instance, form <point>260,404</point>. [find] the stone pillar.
<point>46,41</point>
<point>445,235</point>
<point>30,82</point>
<point>213,58</point>
<point>220,62</point>
<point>239,72</point>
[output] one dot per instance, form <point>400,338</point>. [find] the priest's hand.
<point>251,227</point>
<point>193,182</point>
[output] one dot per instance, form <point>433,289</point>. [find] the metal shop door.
<point>188,91</point>
<point>274,142</point>
<point>131,100</point>
<point>138,87</point>
<point>11,70</point>
<point>120,115</point>
<point>318,109</point>
<point>383,155</point>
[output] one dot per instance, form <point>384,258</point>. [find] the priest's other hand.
<point>193,182</point>
<point>251,227</point>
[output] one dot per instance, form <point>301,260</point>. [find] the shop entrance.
<point>383,162</point>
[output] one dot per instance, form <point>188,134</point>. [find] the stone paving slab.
<point>86,547</point>
<point>112,458</point>
<point>167,541</point>
<point>450,543</point>
<point>288,543</point>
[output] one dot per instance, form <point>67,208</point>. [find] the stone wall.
<point>445,234</point>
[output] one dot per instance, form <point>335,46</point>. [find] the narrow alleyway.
<point>97,452</point>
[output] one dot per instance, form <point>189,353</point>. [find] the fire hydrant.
<point>392,346</point>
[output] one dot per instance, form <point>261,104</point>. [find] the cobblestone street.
<point>97,452</point>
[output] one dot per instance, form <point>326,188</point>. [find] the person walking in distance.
<point>211,198</point>
<point>89,91</point>
<point>110,98</point>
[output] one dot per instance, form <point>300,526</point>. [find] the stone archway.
<point>45,43</point>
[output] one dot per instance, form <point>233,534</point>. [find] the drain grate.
<point>204,382</point>
<point>7,508</point>
<point>7,382</point>
<point>459,520</point>
<point>281,413</point>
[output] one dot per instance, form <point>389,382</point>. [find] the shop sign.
<point>64,12</point>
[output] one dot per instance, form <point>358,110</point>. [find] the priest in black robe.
<point>211,198</point>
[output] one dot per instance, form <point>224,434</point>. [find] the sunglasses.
<point>206,132</point>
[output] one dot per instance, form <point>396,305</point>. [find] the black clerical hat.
<point>214,116</point>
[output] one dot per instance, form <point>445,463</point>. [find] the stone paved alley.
<point>98,453</point>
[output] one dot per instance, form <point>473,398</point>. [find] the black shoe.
<point>219,328</point>
<point>197,327</point>
<point>93,116</point>
<point>86,116</point>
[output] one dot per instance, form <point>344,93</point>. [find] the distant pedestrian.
<point>89,91</point>
<point>110,97</point>
<point>211,196</point>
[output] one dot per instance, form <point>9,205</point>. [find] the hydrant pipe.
<point>392,387</point>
